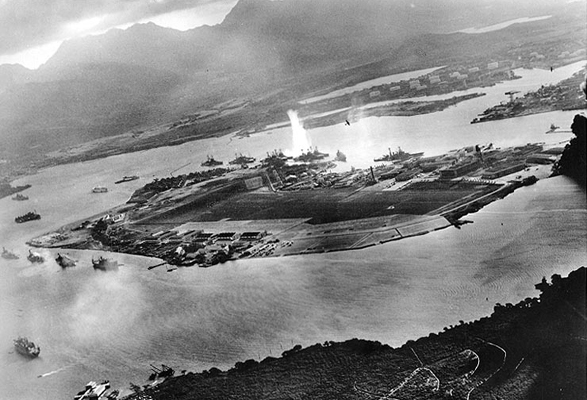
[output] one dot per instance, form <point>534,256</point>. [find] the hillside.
<point>532,350</point>
<point>268,54</point>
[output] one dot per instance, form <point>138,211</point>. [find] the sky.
<point>31,31</point>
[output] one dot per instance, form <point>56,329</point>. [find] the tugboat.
<point>311,156</point>
<point>30,216</point>
<point>241,160</point>
<point>35,257</point>
<point>26,347</point>
<point>105,264</point>
<point>93,391</point>
<point>99,189</point>
<point>127,179</point>
<point>211,162</point>
<point>65,261</point>
<point>8,255</point>
<point>340,156</point>
<point>20,197</point>
<point>398,155</point>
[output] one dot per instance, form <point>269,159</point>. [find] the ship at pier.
<point>311,155</point>
<point>398,155</point>
<point>242,160</point>
<point>26,348</point>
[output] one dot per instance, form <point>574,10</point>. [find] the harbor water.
<point>94,325</point>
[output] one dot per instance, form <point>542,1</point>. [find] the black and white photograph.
<point>293,199</point>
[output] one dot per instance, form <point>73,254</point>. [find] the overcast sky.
<point>32,30</point>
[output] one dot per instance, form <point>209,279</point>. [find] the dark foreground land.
<point>535,349</point>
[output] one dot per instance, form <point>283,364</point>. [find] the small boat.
<point>65,261</point>
<point>127,179</point>
<point>26,348</point>
<point>8,255</point>
<point>30,216</point>
<point>20,197</point>
<point>211,162</point>
<point>93,391</point>
<point>100,189</point>
<point>105,264</point>
<point>35,257</point>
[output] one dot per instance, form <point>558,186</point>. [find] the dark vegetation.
<point>573,160</point>
<point>535,349</point>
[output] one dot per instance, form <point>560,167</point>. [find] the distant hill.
<point>104,85</point>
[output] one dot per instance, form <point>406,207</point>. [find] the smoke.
<point>300,139</point>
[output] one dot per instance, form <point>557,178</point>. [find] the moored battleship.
<point>30,216</point>
<point>211,162</point>
<point>35,257</point>
<point>240,160</point>
<point>105,264</point>
<point>26,347</point>
<point>398,155</point>
<point>8,255</point>
<point>311,155</point>
<point>20,197</point>
<point>64,261</point>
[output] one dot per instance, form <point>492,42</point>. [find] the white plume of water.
<point>300,139</point>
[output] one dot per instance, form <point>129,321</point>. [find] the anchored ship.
<point>20,197</point>
<point>99,189</point>
<point>8,255</point>
<point>340,156</point>
<point>65,261</point>
<point>127,179</point>
<point>211,162</point>
<point>35,257</point>
<point>398,155</point>
<point>163,372</point>
<point>26,347</point>
<point>30,216</point>
<point>105,264</point>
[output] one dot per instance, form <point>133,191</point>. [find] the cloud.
<point>25,24</point>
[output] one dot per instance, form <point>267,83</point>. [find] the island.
<point>283,207</point>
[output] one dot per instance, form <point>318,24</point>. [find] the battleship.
<point>26,347</point>
<point>30,216</point>
<point>311,156</point>
<point>20,197</point>
<point>398,155</point>
<point>241,160</point>
<point>127,179</point>
<point>8,255</point>
<point>340,156</point>
<point>105,264</point>
<point>211,162</point>
<point>35,257</point>
<point>65,261</point>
